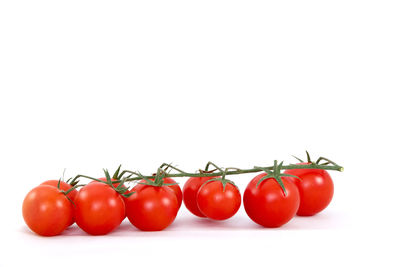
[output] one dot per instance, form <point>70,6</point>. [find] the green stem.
<point>91,178</point>
<point>242,171</point>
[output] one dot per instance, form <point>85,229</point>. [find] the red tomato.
<point>47,211</point>
<point>65,187</point>
<point>176,188</point>
<point>266,203</point>
<point>152,208</point>
<point>190,190</point>
<point>114,184</point>
<point>99,209</point>
<point>315,188</point>
<point>216,203</point>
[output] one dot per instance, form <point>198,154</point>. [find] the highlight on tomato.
<point>218,199</point>
<point>47,211</point>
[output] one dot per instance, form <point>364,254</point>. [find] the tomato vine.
<point>156,179</point>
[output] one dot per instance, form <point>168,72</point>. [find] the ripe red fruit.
<point>99,209</point>
<point>315,188</point>
<point>267,205</point>
<point>152,208</point>
<point>190,190</point>
<point>47,211</point>
<point>65,187</point>
<point>218,203</point>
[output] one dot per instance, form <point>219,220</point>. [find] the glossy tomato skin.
<point>99,209</point>
<point>216,203</point>
<point>315,188</point>
<point>65,187</point>
<point>266,204</point>
<point>47,211</point>
<point>190,190</point>
<point>176,188</point>
<point>115,185</point>
<point>152,208</point>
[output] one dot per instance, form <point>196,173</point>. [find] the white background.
<point>87,85</point>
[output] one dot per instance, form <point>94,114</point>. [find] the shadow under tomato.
<point>191,223</point>
<point>202,226</point>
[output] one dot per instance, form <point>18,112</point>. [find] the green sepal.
<point>70,200</point>
<point>166,184</point>
<point>291,175</point>
<point>222,180</point>
<point>108,177</point>
<point>69,191</point>
<point>128,194</point>
<point>276,174</point>
<point>308,157</point>
<point>148,181</point>
<point>73,182</point>
<point>116,173</point>
<point>121,183</point>
<point>299,159</point>
<point>119,189</point>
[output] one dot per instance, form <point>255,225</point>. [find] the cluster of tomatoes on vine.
<point>271,199</point>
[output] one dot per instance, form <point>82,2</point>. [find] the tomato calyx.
<point>120,189</point>
<point>276,174</point>
<point>117,178</point>
<point>222,179</point>
<point>68,191</point>
<point>320,161</point>
<point>71,181</point>
<point>159,176</point>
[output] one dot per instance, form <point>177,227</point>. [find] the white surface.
<point>92,84</point>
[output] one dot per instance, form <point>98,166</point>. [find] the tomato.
<point>176,188</point>
<point>99,209</point>
<point>65,187</point>
<point>115,185</point>
<point>47,211</point>
<point>190,190</point>
<point>216,203</point>
<point>267,205</point>
<point>315,188</point>
<point>152,208</point>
